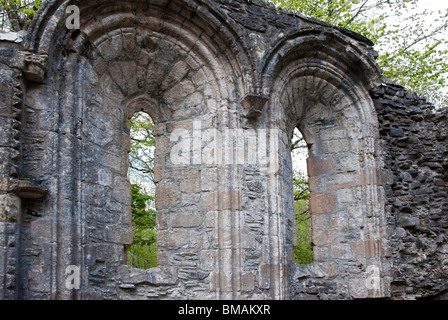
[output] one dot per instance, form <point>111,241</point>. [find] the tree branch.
<point>357,13</point>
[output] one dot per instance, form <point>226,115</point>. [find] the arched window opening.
<point>142,253</point>
<point>303,250</point>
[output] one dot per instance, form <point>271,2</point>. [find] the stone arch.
<point>177,61</point>
<point>353,58</point>
<point>198,28</point>
<point>323,90</point>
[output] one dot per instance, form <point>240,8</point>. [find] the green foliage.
<point>303,251</point>
<point>413,52</point>
<point>141,156</point>
<point>142,253</point>
<point>142,256</point>
<point>141,215</point>
<point>15,15</point>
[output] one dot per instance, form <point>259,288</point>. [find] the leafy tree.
<point>15,15</point>
<point>303,251</point>
<point>412,52</point>
<point>142,253</point>
<point>141,156</point>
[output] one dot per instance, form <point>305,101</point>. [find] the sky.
<point>433,5</point>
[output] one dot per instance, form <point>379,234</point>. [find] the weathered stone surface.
<point>225,83</point>
<point>171,238</point>
<point>415,156</point>
<point>35,67</point>
<point>9,208</point>
<point>222,200</point>
<point>167,196</point>
<point>322,203</point>
<point>317,166</point>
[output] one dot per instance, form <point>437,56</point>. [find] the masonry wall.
<point>414,140</point>
<point>10,124</point>
<point>247,74</point>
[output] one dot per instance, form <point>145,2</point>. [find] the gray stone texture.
<point>249,74</point>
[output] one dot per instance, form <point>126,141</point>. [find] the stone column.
<point>11,88</point>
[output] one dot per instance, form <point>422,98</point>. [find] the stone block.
<point>318,166</point>
<point>177,73</point>
<point>191,185</point>
<point>6,132</point>
<point>322,203</point>
<point>328,268</point>
<point>129,70</point>
<point>187,220</point>
<point>222,200</point>
<point>158,169</point>
<point>324,237</point>
<point>199,239</point>
<point>407,221</point>
<point>265,276</point>
<point>119,235</point>
<point>220,281</point>
<point>127,216</point>
<point>369,177</point>
<point>167,195</point>
<point>172,238</point>
<point>9,207</point>
<point>163,256</point>
<point>128,39</point>
<point>247,282</point>
<point>177,93</point>
<point>94,194</point>
<point>42,229</point>
<point>358,288</point>
<point>367,249</point>
<point>340,185</point>
<point>5,99</point>
<point>223,235</point>
<point>103,252</point>
<point>159,276</point>
<point>162,146</point>
<point>341,251</point>
<point>105,177</point>
<point>396,132</point>
<point>190,179</point>
<point>208,259</point>
<point>209,179</point>
<point>163,219</point>
<point>248,239</point>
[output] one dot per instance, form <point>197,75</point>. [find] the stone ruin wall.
<point>414,137</point>
<point>413,140</point>
<point>377,166</point>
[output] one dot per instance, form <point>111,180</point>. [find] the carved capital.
<point>35,67</point>
<point>26,189</point>
<point>253,105</point>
